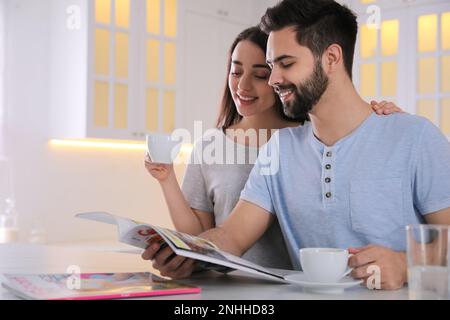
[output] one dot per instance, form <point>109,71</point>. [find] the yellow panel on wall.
<point>170,63</point>
<point>426,79</point>
<point>151,118</point>
<point>389,79</point>
<point>369,42</point>
<point>103,11</point>
<point>101,52</point>
<point>122,47</point>
<point>101,104</point>
<point>445,31</point>
<point>169,111</point>
<point>120,106</point>
<point>152,60</point>
<point>445,74</point>
<point>427,33</point>
<point>368,80</point>
<point>154,16</point>
<point>170,18</point>
<point>367,1</point>
<point>445,116</point>
<point>123,13</point>
<point>389,37</point>
<point>427,109</point>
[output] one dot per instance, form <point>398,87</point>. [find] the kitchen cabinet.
<point>406,58</point>
<point>114,70</point>
<point>129,67</point>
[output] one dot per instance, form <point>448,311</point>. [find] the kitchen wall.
<point>52,184</point>
<point>2,68</point>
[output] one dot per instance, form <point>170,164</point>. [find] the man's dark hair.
<point>319,24</point>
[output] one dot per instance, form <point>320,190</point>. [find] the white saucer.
<point>318,287</point>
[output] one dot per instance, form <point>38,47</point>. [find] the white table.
<point>31,259</point>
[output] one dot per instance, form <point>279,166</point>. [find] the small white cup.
<point>324,265</point>
<point>162,148</point>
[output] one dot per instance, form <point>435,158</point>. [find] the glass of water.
<point>428,262</point>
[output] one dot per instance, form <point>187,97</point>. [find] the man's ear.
<point>332,58</point>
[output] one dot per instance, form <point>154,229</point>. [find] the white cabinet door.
<point>99,71</point>
<point>207,41</point>
<point>208,7</point>
<point>238,11</point>
<point>241,11</point>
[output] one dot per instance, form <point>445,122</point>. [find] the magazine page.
<point>140,235</point>
<point>93,286</point>
<point>209,255</point>
<point>182,241</point>
<point>130,232</point>
<point>233,262</point>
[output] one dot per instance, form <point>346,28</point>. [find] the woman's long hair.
<point>229,115</point>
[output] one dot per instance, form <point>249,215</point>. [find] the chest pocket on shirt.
<point>376,206</point>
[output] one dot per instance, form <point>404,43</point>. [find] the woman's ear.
<point>333,58</point>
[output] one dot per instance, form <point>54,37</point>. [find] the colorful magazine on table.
<point>208,255</point>
<point>93,286</point>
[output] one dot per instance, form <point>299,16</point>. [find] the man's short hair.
<point>318,23</point>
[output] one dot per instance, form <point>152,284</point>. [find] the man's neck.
<point>339,112</point>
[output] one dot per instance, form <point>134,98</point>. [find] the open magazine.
<point>207,253</point>
<point>92,286</point>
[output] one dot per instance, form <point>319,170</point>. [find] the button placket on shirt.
<point>328,175</point>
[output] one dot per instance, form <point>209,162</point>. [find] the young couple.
<point>348,178</point>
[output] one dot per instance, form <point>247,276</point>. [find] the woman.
<point>211,190</point>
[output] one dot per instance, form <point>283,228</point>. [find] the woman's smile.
<point>245,100</point>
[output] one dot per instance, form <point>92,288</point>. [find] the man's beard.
<point>307,94</point>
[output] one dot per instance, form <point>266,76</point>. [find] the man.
<point>349,178</point>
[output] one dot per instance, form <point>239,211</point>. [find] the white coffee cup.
<point>324,265</point>
<point>162,148</point>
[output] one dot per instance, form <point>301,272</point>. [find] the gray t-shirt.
<point>214,179</point>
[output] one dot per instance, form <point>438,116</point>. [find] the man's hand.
<point>169,264</point>
<point>392,265</point>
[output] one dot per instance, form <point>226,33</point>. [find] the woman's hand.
<point>385,107</point>
<point>158,171</point>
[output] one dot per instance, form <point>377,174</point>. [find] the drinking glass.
<point>428,262</point>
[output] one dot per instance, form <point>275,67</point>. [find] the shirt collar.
<point>320,146</point>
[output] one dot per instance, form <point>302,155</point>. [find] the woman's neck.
<point>269,119</point>
<point>263,125</point>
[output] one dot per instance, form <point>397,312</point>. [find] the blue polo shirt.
<point>389,172</point>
